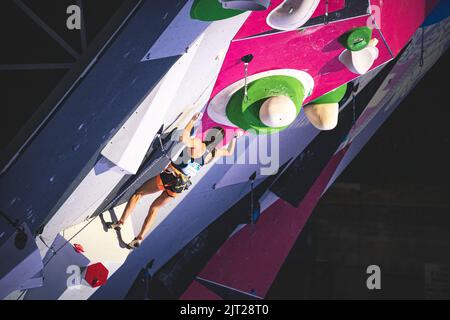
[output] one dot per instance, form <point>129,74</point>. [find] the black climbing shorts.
<point>173,184</point>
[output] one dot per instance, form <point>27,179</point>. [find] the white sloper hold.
<point>292,14</point>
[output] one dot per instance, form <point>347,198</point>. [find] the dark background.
<point>390,207</point>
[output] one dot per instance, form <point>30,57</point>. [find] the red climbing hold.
<point>96,275</point>
<point>78,248</point>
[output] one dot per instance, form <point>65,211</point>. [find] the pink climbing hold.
<point>96,275</point>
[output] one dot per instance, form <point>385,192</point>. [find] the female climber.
<point>176,177</point>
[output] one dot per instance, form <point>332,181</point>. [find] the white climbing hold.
<point>278,111</point>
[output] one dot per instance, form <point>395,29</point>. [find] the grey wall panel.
<point>67,148</point>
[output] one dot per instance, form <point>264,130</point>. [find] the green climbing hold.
<point>356,39</point>
<point>334,96</point>
<point>211,10</point>
<point>245,113</point>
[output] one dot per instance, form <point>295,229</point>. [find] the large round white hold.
<point>279,111</point>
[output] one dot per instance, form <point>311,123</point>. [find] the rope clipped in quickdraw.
<point>148,277</point>
<point>347,136</point>
<point>422,52</point>
<point>51,248</point>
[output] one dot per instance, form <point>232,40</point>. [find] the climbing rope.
<point>164,154</point>
<point>245,82</point>
<point>246,59</point>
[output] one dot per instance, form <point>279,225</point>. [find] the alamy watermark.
<point>73,21</point>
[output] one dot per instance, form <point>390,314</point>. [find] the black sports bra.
<point>193,165</point>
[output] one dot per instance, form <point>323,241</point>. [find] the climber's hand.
<point>196,116</point>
